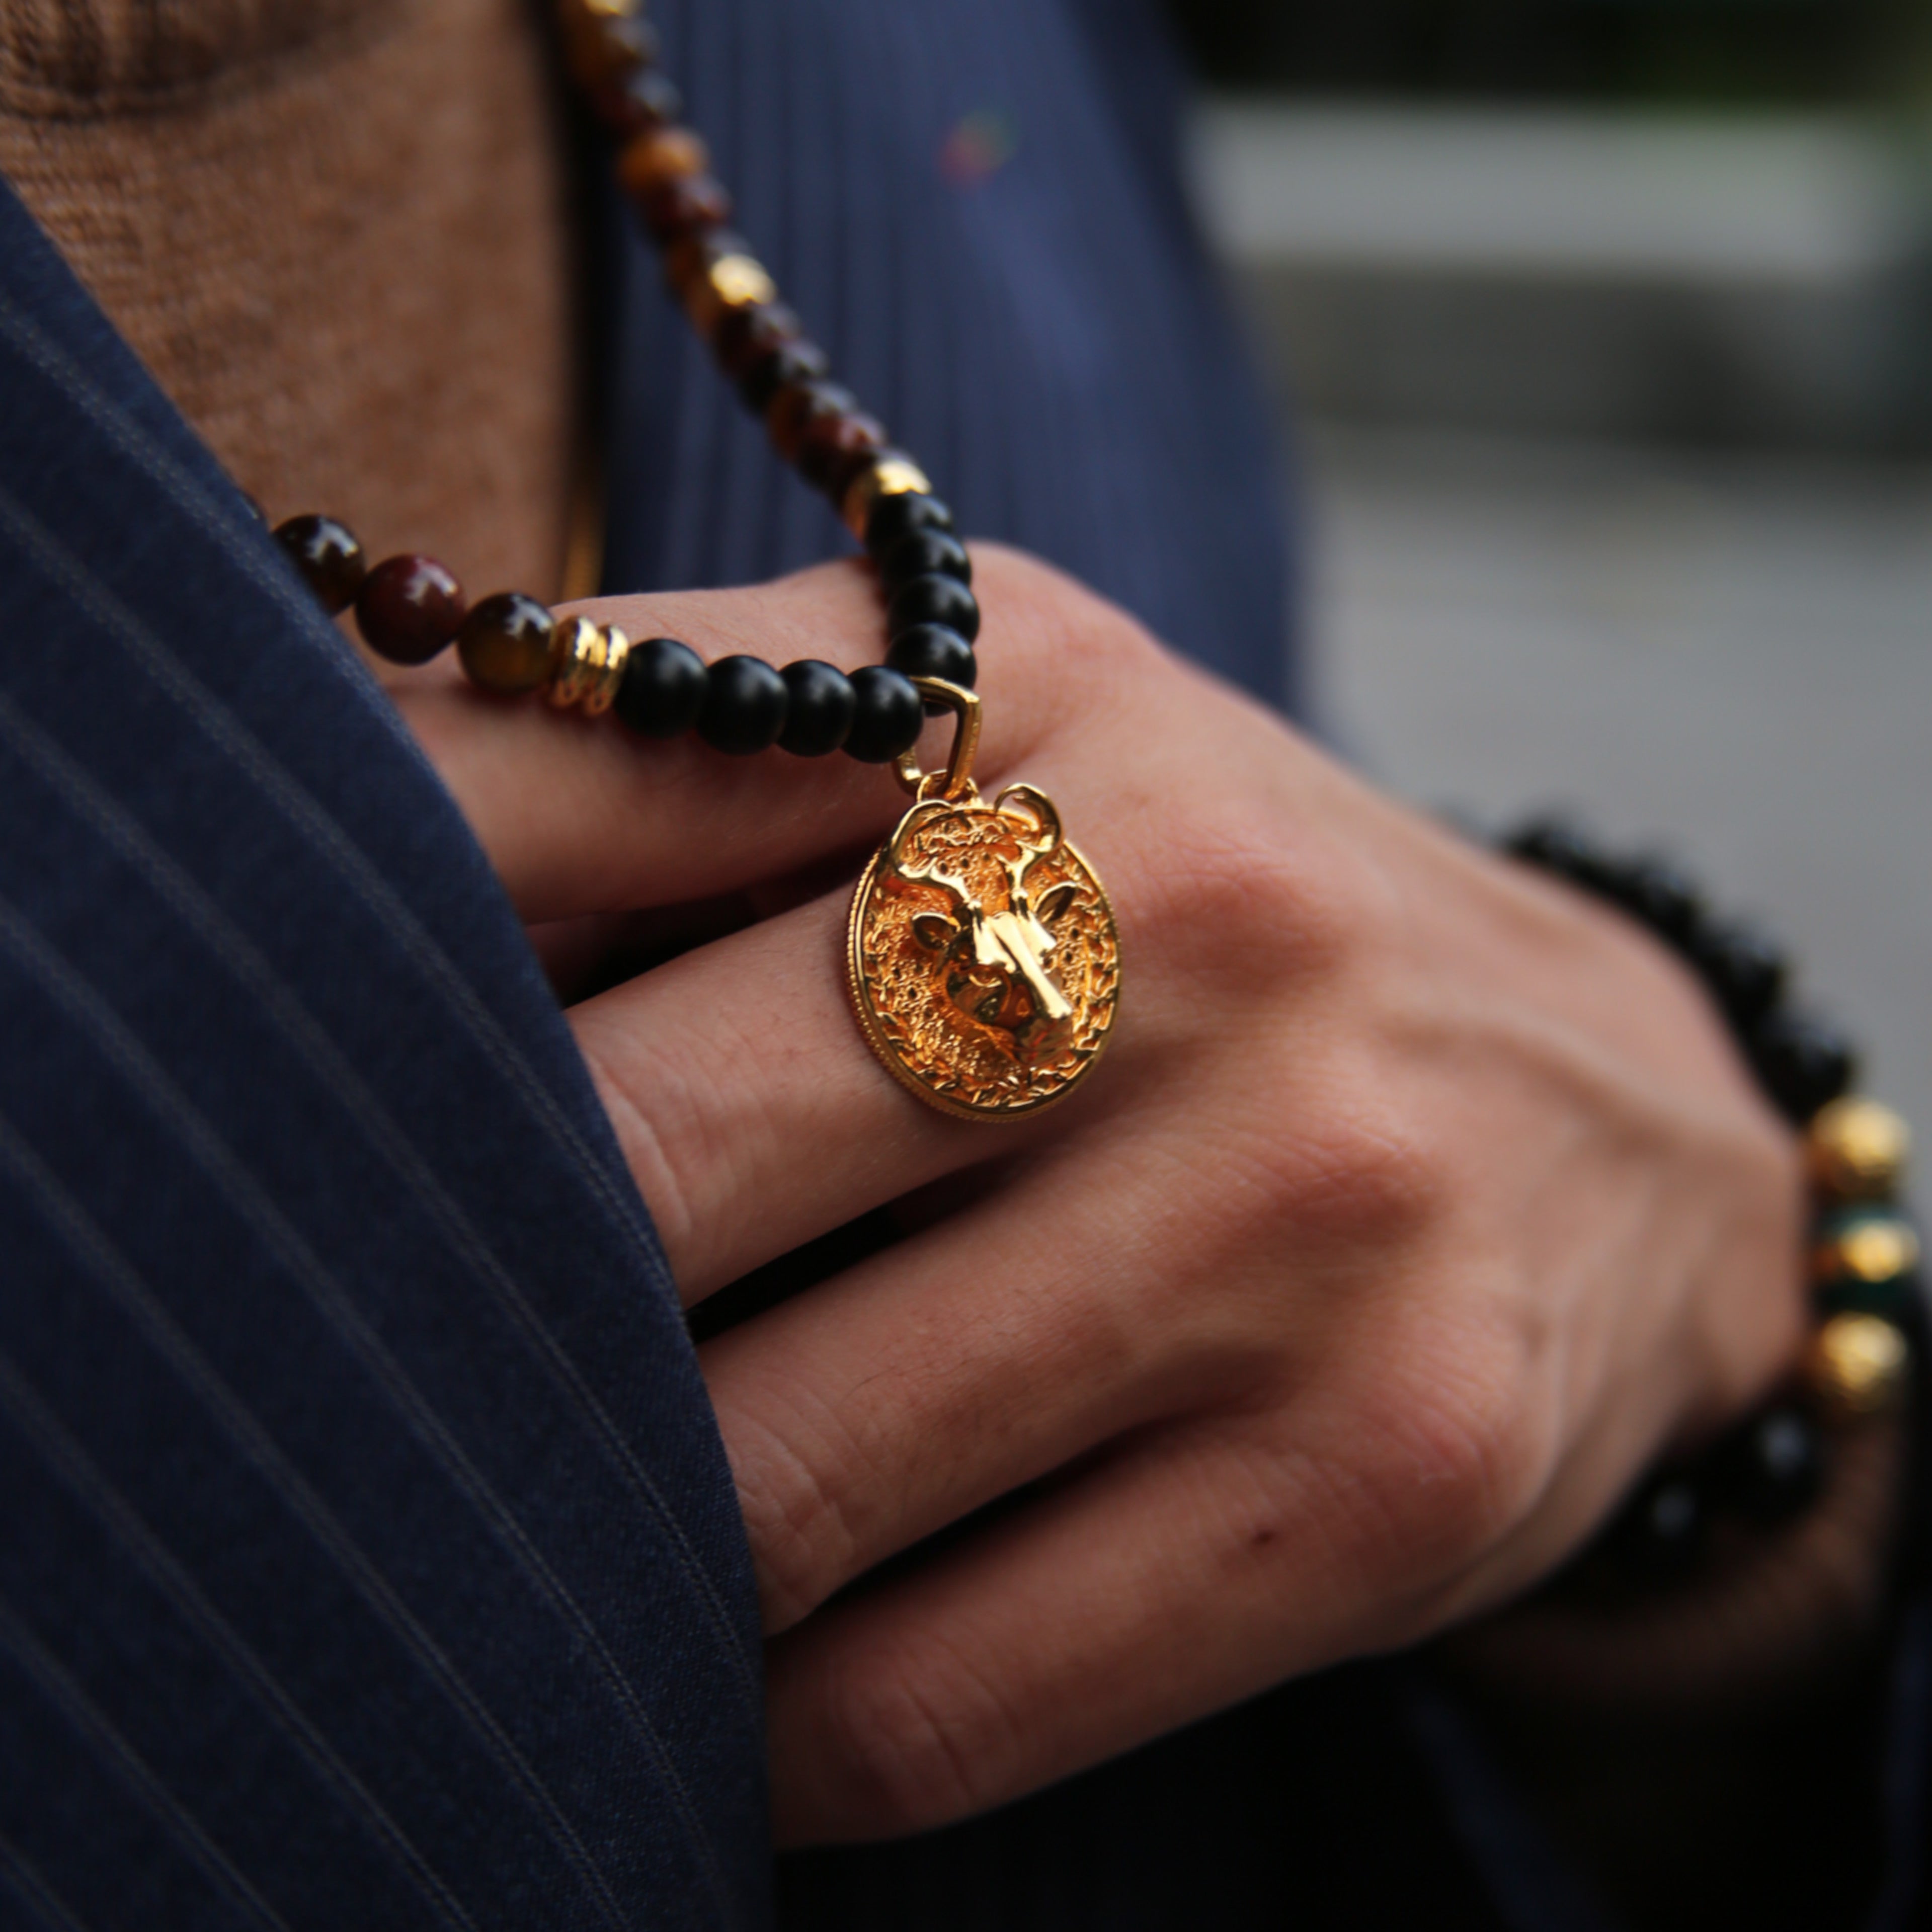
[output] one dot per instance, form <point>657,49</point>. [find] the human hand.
<point>1418,1202</point>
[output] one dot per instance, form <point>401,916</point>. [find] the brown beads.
<point>408,607</point>
<point>797,406</point>
<point>659,155</point>
<point>505,644</point>
<point>836,446</point>
<point>329,557</point>
<point>601,44</point>
<point>688,205</point>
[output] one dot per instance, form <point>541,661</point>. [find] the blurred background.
<point>1603,331</point>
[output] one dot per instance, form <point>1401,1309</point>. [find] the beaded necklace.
<point>981,956</point>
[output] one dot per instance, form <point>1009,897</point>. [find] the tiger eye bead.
<point>791,365</point>
<point>934,599</point>
<point>745,708</point>
<point>821,708</point>
<point>408,607</point>
<point>600,47</point>
<point>888,715</point>
<point>746,336</point>
<point>797,406</point>
<point>505,644</point>
<point>330,558</point>
<point>687,206</point>
<point>835,446</point>
<point>637,101</point>
<point>659,155</point>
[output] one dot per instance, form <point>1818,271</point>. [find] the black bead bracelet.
<point>1864,1253</point>
<point>408,608</point>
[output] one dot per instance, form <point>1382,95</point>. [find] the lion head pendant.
<point>984,966</point>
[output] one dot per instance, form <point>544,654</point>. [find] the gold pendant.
<point>984,964</point>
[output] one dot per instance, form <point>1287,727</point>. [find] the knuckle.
<point>1452,1456</point>
<point>911,1733</point>
<point>804,1543</point>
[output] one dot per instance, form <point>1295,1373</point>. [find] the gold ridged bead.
<point>603,692</point>
<point>1857,1149</point>
<point>893,475</point>
<point>1857,1366</point>
<point>731,281</point>
<point>1873,1248</point>
<point>576,661</point>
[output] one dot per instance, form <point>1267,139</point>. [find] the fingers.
<point>1176,1579</point>
<point>974,1358</point>
<point>579,815</point>
<point>747,1104</point>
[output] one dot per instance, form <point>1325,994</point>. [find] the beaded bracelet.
<point>981,958</point>
<point>1863,1256</point>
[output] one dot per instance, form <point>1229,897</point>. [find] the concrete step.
<point>1759,279</point>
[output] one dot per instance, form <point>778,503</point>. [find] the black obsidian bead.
<point>1802,1063</point>
<point>933,599</point>
<point>1744,967</point>
<point>330,558</point>
<point>1660,1535</point>
<point>898,516</point>
<point>1664,898</point>
<point>887,717</point>
<point>1772,1468</point>
<point>662,689</point>
<point>931,650</point>
<point>745,707</point>
<point>1558,846</point>
<point>924,554</point>
<point>819,708</point>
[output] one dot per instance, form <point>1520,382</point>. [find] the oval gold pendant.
<point>984,963</point>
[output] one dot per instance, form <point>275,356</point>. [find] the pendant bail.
<point>958,776</point>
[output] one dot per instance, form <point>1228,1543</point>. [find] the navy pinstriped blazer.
<point>367,1558</point>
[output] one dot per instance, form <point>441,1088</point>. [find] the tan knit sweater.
<point>335,231</point>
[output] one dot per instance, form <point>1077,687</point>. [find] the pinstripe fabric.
<point>367,1554</point>
<point>1037,326</point>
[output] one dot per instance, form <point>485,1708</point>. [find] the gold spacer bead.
<point>1857,1149</point>
<point>1857,1366</point>
<point>576,661</point>
<point>732,281</point>
<point>603,692</point>
<point>893,475</point>
<point>1876,1248</point>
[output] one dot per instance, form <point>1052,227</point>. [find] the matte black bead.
<point>1660,1534</point>
<point>1744,967</point>
<point>888,718</point>
<point>924,554</point>
<point>1802,1062</point>
<point>1558,846</point>
<point>934,599</point>
<point>1666,900</point>
<point>663,687</point>
<point>898,516</point>
<point>1774,1466</point>
<point>820,710</point>
<point>745,708</point>
<point>330,558</point>
<point>789,365</point>
<point>931,650</point>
